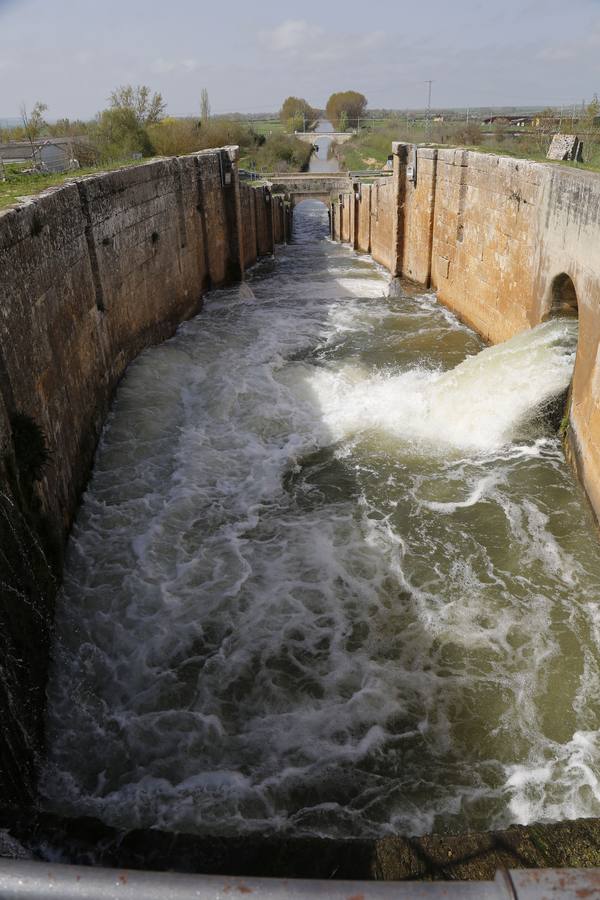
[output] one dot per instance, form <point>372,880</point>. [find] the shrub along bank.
<point>279,153</point>
<point>177,137</point>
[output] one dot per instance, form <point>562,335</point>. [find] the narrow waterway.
<point>331,574</point>
<point>321,161</point>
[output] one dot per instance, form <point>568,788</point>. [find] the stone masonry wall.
<point>494,237</point>
<point>90,274</point>
<point>247,200</point>
<point>363,219</point>
<point>263,209</point>
<point>484,240</point>
<point>384,222</point>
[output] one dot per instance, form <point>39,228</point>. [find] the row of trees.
<point>135,123</point>
<point>344,110</point>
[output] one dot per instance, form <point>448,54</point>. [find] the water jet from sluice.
<point>332,575</point>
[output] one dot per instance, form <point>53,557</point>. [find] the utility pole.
<point>429,83</point>
<point>468,111</point>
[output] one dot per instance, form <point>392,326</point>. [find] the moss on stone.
<point>463,857</point>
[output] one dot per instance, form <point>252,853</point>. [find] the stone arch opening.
<point>315,198</point>
<point>562,304</point>
<point>563,298</point>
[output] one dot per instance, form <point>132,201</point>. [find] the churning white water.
<point>331,575</point>
<point>479,405</point>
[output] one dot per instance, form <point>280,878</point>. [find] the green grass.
<point>18,185</point>
<point>591,154</point>
<point>369,150</point>
<point>266,126</point>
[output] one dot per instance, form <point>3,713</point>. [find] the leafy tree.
<point>204,106</point>
<point>295,112</point>
<point>68,128</point>
<point>351,103</point>
<point>148,108</point>
<point>119,133</point>
<point>33,122</point>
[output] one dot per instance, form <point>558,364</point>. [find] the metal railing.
<point>370,173</point>
<point>26,880</point>
<point>250,175</point>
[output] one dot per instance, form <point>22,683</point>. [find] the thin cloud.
<point>570,50</point>
<point>163,66</point>
<point>292,35</point>
<point>297,38</point>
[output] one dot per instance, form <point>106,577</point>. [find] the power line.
<point>429,83</point>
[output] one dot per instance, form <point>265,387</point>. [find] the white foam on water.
<point>316,590</point>
<point>479,405</point>
<point>533,788</point>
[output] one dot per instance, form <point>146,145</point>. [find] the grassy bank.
<point>370,149</point>
<point>278,153</point>
<point>19,185</point>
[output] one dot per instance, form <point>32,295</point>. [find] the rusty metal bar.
<point>27,880</point>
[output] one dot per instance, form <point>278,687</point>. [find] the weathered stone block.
<point>565,147</point>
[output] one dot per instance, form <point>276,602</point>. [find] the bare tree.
<point>33,122</point>
<point>148,108</point>
<point>204,106</point>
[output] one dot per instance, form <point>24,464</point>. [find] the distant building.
<point>511,121</point>
<point>50,155</point>
<point>548,122</point>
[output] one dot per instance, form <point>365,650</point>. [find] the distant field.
<point>267,126</point>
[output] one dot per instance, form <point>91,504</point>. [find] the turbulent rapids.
<point>331,575</point>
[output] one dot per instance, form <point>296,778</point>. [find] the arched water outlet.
<point>563,304</point>
<point>324,579</point>
<point>564,298</point>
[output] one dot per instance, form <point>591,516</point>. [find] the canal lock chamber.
<point>331,577</point>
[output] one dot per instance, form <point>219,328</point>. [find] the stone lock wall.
<point>90,274</point>
<point>494,236</point>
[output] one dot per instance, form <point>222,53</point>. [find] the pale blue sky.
<point>71,53</point>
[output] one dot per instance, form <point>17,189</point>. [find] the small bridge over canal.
<point>315,186</point>
<point>309,185</point>
<point>313,137</point>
